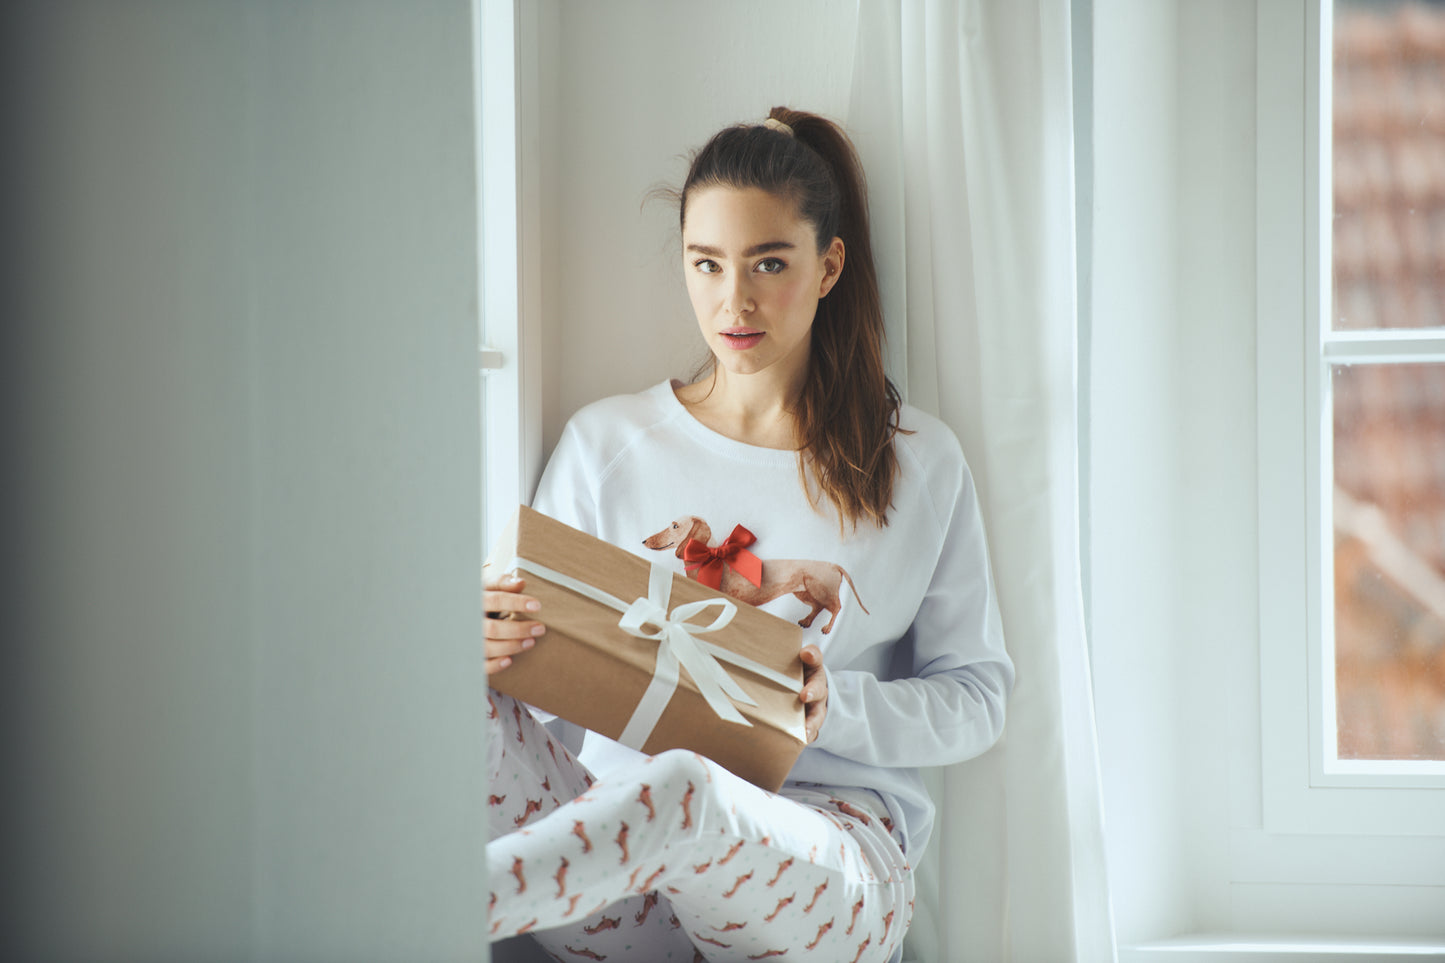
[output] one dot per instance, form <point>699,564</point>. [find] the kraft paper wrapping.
<point>588,670</point>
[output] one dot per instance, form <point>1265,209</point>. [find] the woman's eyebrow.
<point>766,247</point>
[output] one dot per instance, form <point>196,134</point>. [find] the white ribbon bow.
<point>678,645</point>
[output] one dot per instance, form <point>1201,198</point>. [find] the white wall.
<point>637,85</point>
<point>247,484</point>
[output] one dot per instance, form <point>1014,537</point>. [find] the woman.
<point>794,432</point>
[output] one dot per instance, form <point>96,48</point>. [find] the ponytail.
<point>847,413</point>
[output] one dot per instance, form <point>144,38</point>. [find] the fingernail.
<point>538,629</point>
<point>528,643</point>
<point>514,578</point>
<point>533,605</point>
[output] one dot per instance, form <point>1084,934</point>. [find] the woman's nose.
<point>739,300</point>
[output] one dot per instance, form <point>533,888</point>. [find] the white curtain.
<point>962,112</point>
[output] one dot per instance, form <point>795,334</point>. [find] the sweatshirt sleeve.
<point>951,708</point>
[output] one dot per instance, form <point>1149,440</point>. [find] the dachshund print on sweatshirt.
<point>731,568</point>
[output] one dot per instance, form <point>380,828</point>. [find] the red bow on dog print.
<point>706,564</point>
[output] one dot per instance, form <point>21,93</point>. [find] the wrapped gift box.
<point>611,651</point>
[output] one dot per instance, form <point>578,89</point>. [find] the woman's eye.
<point>707,266</point>
<point>770,265</point>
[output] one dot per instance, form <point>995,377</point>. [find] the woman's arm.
<point>952,708</point>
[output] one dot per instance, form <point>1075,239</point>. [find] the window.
<point>1383,393</point>
<point>1220,824</point>
<point>1351,442</point>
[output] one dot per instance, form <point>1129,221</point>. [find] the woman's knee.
<point>682,766</point>
<point>699,785</point>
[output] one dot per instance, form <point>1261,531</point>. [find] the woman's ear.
<point>832,266</point>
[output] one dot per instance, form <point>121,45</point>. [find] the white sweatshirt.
<point>915,660</point>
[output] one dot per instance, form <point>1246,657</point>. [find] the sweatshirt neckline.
<point>678,413</point>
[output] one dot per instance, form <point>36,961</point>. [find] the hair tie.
<point>774,124</point>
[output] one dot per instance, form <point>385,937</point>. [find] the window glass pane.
<point>1389,164</point>
<point>1389,548</point>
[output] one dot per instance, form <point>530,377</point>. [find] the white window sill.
<point>1250,948</point>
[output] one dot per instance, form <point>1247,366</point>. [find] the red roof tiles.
<point>1389,441</point>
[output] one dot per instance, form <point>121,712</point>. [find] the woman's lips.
<point>740,339</point>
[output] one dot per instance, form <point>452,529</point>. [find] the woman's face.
<point>755,276</point>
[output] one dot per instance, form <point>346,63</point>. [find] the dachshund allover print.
<point>818,585</point>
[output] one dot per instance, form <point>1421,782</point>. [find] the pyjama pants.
<point>679,859</point>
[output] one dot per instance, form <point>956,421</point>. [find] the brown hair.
<point>847,414</point>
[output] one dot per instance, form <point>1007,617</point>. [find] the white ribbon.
<point>678,646</point>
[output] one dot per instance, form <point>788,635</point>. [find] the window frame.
<point>1304,790</point>
<point>505,45</point>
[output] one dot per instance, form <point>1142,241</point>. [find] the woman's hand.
<point>507,628</point>
<point>815,690</point>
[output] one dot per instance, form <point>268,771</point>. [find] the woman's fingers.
<point>504,596</point>
<point>813,720</point>
<point>506,638</point>
<point>815,680</point>
<point>504,604</point>
<point>813,715</point>
<point>499,645</point>
<point>497,665</point>
<point>499,628</point>
<point>815,690</point>
<point>507,629</point>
